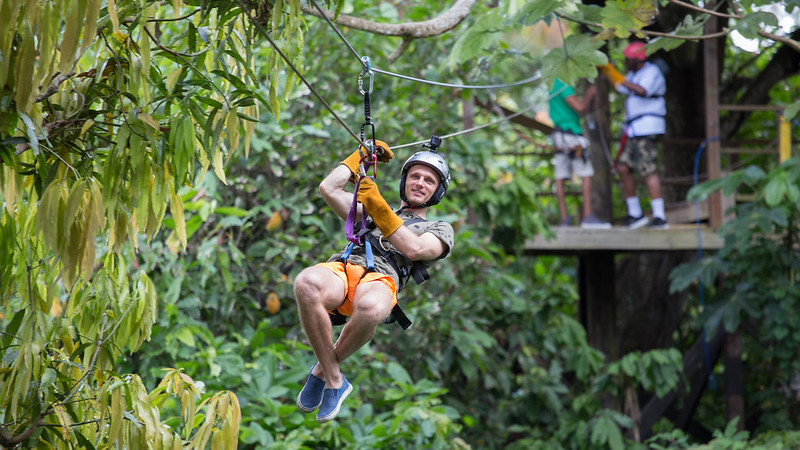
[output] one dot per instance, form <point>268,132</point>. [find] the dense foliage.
<point>159,177</point>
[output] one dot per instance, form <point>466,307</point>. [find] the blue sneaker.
<point>332,400</point>
<point>310,397</point>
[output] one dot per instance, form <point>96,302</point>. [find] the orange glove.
<point>377,208</point>
<point>381,148</point>
<point>612,74</point>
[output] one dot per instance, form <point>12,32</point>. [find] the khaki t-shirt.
<point>442,230</point>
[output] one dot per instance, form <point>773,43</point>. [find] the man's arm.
<point>581,106</point>
<point>417,248</point>
<point>635,88</point>
<point>332,190</point>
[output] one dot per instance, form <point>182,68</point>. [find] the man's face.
<point>633,64</point>
<point>421,183</point>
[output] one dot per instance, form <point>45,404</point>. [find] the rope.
<point>712,383</point>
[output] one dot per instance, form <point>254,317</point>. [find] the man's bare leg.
<point>318,290</point>
<point>372,303</point>
<point>626,177</point>
<point>653,184</point>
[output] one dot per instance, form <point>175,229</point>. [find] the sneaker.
<point>635,222</point>
<point>566,222</point>
<point>310,397</point>
<point>658,224</point>
<point>332,400</point>
<point>591,221</point>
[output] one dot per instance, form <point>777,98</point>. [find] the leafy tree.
<point>112,115</point>
<point>757,287</point>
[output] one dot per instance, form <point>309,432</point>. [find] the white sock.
<point>658,208</point>
<point>634,209</point>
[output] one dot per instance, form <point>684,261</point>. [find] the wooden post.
<point>734,378</point>
<point>784,138</point>
<point>598,130</point>
<point>711,70</point>
<point>598,305</point>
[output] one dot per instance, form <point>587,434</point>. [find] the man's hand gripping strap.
<point>374,205</point>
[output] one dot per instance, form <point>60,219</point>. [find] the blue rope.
<point>712,383</point>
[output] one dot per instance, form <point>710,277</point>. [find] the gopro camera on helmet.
<point>435,142</point>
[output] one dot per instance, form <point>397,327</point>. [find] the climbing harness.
<point>624,138</point>
<point>360,234</point>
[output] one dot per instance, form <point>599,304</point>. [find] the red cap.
<point>635,50</point>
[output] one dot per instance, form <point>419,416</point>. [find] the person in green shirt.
<point>572,156</point>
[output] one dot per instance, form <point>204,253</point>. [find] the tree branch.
<point>784,40</point>
<point>415,30</point>
<point>704,11</point>
<point>53,88</point>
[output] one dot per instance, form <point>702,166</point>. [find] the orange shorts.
<point>353,278</point>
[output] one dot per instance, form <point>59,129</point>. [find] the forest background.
<point>159,175</point>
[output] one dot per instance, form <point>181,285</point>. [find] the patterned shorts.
<point>641,154</point>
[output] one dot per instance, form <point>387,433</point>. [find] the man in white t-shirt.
<point>645,108</point>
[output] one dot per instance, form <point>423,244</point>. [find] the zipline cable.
<point>300,75</point>
<point>366,66</point>
<point>498,121</point>
<point>418,80</point>
<point>460,86</point>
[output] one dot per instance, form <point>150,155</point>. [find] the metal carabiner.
<point>361,81</point>
<point>367,70</point>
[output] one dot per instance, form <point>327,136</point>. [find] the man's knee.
<point>375,306</point>
<point>309,286</point>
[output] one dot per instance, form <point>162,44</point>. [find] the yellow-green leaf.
<point>112,15</point>
<point>176,206</point>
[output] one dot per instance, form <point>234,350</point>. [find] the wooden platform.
<point>576,240</point>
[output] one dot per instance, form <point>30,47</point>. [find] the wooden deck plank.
<point>573,240</point>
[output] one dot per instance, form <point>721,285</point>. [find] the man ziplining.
<point>362,281</point>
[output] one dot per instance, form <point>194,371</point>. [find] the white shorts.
<point>564,165</point>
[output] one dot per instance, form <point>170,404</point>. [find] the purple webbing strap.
<point>350,223</point>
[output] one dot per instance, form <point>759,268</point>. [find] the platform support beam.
<point>711,71</point>
<point>598,305</point>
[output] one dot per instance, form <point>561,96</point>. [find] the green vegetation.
<point>159,167</point>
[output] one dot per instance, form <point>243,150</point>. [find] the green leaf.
<point>578,58</point>
<point>230,211</point>
<point>184,335</point>
<point>483,34</point>
<point>623,15</point>
<point>791,110</point>
<point>536,10</point>
<point>30,128</point>
<point>752,23</point>
<point>775,189</point>
<point>398,373</point>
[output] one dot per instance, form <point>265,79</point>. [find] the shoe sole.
<point>305,409</point>
<point>335,411</point>
<point>639,223</point>
<point>300,404</point>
